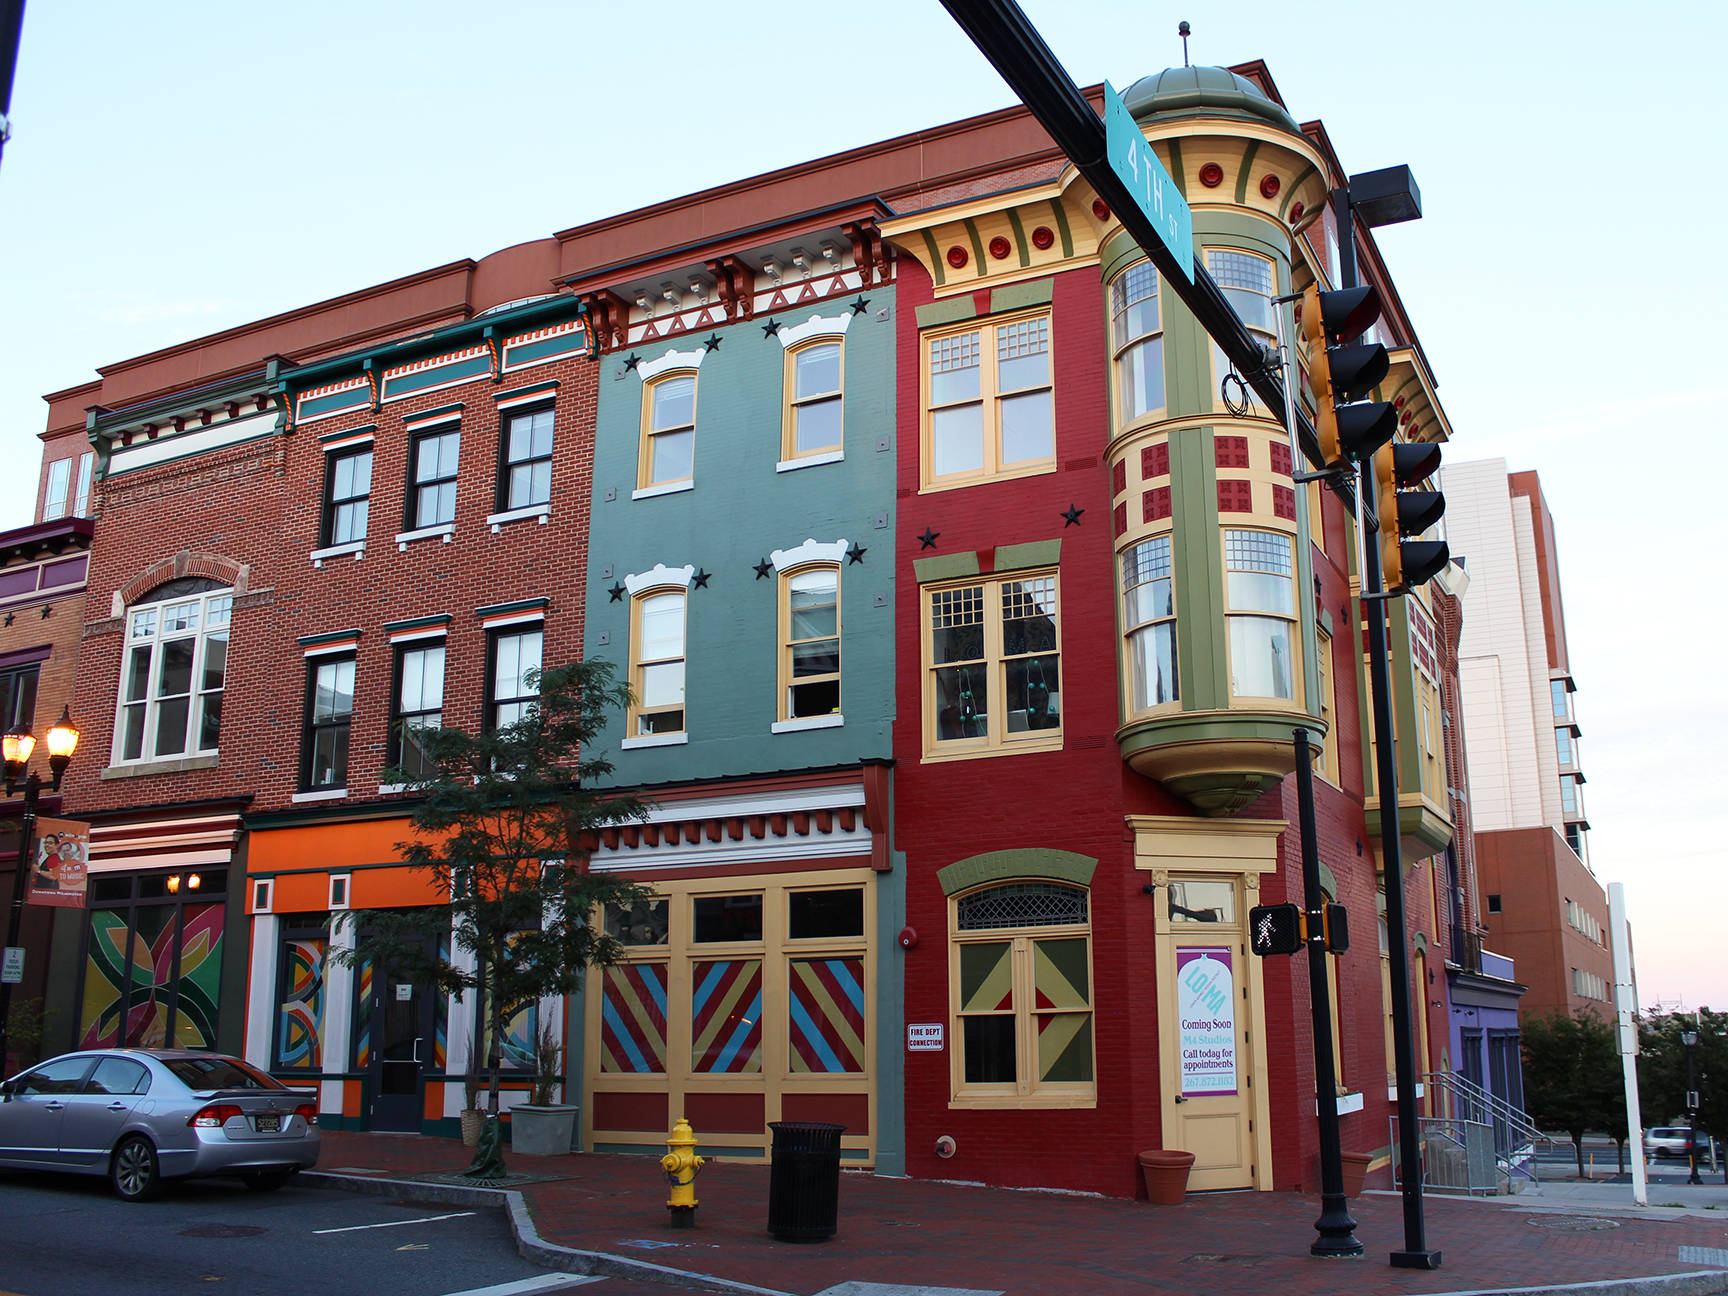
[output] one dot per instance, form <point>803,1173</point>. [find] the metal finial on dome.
<point>1183,30</point>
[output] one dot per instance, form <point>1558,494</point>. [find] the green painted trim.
<point>1176,166</point>
<point>890,1007</point>
<point>423,415</point>
<point>1325,619</point>
<point>1220,791</point>
<point>1403,662</point>
<point>950,310</point>
<point>1250,230</point>
<point>1034,292</point>
<point>1025,862</point>
<point>1297,183</point>
<point>1305,602</point>
<point>1328,882</point>
<point>325,868</point>
<point>1116,254</point>
<point>335,636</point>
<point>520,605</point>
<point>1242,174</point>
<point>936,266</point>
<point>333,402</point>
<point>551,384</point>
<point>1063,233</point>
<point>945,567</point>
<point>1034,553</point>
<point>1421,829</point>
<point>1020,244</point>
<point>326,437</point>
<point>977,241</point>
<point>1202,653</point>
<point>417,623</point>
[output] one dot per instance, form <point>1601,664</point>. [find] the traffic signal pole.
<point>1416,1253</point>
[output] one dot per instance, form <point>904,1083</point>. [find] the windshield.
<point>219,1073</point>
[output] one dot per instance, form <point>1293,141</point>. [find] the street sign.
<point>1156,194</point>
<point>12,967</point>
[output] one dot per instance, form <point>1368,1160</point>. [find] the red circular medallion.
<point>1296,213</point>
<point>999,247</point>
<point>957,256</point>
<point>1100,209</point>
<point>1042,238</point>
<point>1211,175</point>
<point>1269,186</point>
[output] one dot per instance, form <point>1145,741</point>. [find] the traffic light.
<point>1405,563</point>
<point>1337,929</point>
<point>1275,929</point>
<point>1342,373</point>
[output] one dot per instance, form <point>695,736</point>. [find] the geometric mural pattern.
<point>726,1017</point>
<point>633,1019</point>
<point>300,1015</point>
<point>146,988</point>
<point>826,1003</point>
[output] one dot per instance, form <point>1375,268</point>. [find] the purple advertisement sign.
<point>1206,1021</point>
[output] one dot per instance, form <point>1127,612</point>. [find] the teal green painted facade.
<point>737,512</point>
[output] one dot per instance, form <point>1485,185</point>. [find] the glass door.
<point>402,1018</point>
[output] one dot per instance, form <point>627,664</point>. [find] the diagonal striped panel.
<point>986,977</point>
<point>1065,1047</point>
<point>827,1011</point>
<point>633,1019</point>
<point>726,1016</point>
<point>1059,975</point>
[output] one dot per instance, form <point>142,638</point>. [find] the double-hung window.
<point>18,697</point>
<point>813,400</point>
<point>992,665</point>
<point>1021,990</point>
<point>432,490</point>
<point>668,430</point>
<point>525,467</point>
<point>1260,587</point>
<point>512,681</point>
<point>347,496</point>
<point>59,486</point>
<point>419,705</point>
<point>657,664</point>
<point>1149,621</point>
<point>175,667</point>
<point>1137,341</point>
<point>810,639</point>
<point>987,400</point>
<point>329,713</point>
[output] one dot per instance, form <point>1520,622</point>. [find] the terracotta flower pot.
<point>1165,1172</point>
<point>1355,1171</point>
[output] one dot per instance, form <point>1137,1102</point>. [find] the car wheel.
<point>268,1180</point>
<point>134,1170</point>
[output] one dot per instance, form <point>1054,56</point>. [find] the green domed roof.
<point>1204,91</point>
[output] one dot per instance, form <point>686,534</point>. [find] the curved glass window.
<point>1149,620</point>
<point>1260,584</point>
<point>1139,341</point>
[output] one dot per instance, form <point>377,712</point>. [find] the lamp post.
<point>1690,1039</point>
<point>16,746</point>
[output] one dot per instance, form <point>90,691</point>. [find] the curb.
<point>531,1246</point>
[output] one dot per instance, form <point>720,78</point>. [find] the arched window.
<point>810,643</point>
<point>173,673</point>
<point>668,430</point>
<point>657,663</point>
<point>813,399</point>
<point>1021,991</point>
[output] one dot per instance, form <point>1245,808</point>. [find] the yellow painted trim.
<point>644,454</point>
<point>776,951</point>
<point>989,401</point>
<point>789,408</point>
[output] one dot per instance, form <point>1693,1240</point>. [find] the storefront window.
<point>153,960</point>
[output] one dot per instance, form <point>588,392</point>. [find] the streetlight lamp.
<point>1690,1039</point>
<point>16,746</point>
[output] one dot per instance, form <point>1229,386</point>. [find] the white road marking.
<point>546,1282</point>
<point>430,1219</point>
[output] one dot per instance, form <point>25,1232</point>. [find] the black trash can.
<point>804,1181</point>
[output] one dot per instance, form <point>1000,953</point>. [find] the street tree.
<point>504,828</point>
<point>1571,1074</point>
<point>1662,1068</point>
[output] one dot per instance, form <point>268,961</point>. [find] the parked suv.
<point>1675,1141</point>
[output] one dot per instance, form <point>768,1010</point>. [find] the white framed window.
<point>1149,622</point>
<point>432,491</point>
<point>339,890</point>
<point>814,378</point>
<point>172,676</point>
<point>513,654</point>
<point>1137,342</point>
<point>1260,588</point>
<point>329,717</point>
<point>657,663</point>
<point>419,705</point>
<point>1246,280</point>
<point>86,468</point>
<point>810,642</point>
<point>525,468</point>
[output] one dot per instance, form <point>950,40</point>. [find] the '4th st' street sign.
<point>1138,167</point>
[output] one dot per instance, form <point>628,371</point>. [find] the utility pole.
<point>11,29</point>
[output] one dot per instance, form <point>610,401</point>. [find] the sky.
<point>181,168</point>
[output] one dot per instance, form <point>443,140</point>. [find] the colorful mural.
<point>300,1017</point>
<point>726,1017</point>
<point>827,1009</point>
<point>633,1019</point>
<point>145,988</point>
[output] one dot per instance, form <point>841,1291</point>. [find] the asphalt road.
<point>1560,1162</point>
<point>66,1236</point>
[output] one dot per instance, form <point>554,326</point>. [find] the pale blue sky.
<point>181,168</point>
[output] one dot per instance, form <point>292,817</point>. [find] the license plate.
<point>269,1124</point>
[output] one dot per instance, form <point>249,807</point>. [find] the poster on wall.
<point>59,863</point>
<point>1206,1021</point>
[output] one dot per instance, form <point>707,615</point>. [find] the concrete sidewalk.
<point>606,1214</point>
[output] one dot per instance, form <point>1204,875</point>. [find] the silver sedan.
<point>143,1116</point>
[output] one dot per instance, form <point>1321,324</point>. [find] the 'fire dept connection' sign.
<point>1206,1021</point>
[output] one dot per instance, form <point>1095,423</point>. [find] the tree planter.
<point>1166,1175</point>
<point>548,1130</point>
<point>1355,1171</point>
<point>472,1119</point>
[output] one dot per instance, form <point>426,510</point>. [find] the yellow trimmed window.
<point>668,430</point>
<point>1260,585</point>
<point>810,642</point>
<point>1149,622</point>
<point>657,663</point>
<point>1327,767</point>
<point>1137,340</point>
<point>987,401</point>
<point>992,677</point>
<point>812,424</point>
<point>1021,988</point>
<point>1428,726</point>
<point>1246,281</point>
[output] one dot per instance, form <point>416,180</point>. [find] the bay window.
<point>1260,588</point>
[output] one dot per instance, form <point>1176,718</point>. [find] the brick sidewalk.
<point>918,1232</point>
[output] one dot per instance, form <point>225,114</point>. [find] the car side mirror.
<point>7,1088</point>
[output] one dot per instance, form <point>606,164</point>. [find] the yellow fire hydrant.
<point>682,1165</point>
